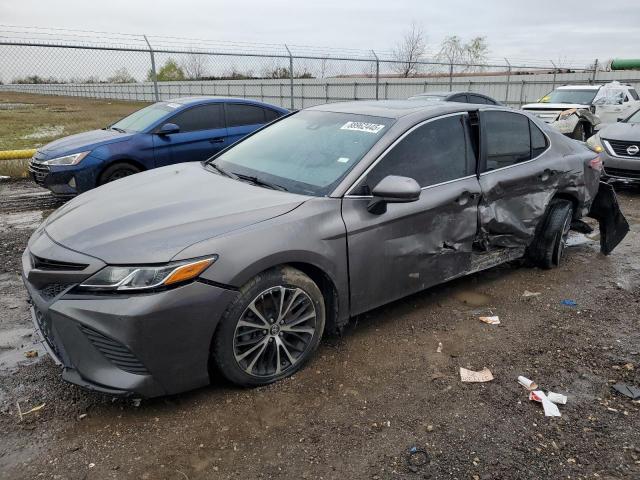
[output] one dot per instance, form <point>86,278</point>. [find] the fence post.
<point>451,77</point>
<point>506,95</point>
<point>521,94</point>
<point>377,74</point>
<point>555,72</point>
<point>154,76</point>
<point>595,70</point>
<point>290,74</point>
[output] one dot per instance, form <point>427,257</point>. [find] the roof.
<point>580,87</point>
<point>211,99</point>
<point>440,93</point>
<point>391,108</point>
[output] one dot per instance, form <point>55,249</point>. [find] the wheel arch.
<point>127,160</point>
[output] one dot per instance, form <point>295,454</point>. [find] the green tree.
<point>169,72</point>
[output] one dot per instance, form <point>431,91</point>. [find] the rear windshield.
<point>308,152</point>
<point>429,98</point>
<point>565,95</point>
<point>145,118</point>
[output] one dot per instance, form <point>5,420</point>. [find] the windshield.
<point>429,98</point>
<point>143,119</point>
<point>565,95</point>
<point>308,152</point>
<point>635,118</point>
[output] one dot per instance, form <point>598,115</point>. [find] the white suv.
<point>576,110</point>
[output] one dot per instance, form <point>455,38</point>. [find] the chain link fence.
<point>58,83</point>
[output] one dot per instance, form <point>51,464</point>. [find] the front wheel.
<point>117,171</point>
<point>271,329</point>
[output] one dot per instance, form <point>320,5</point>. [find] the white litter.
<point>494,320</point>
<point>557,398</point>
<point>526,383</point>
<point>483,375</point>
<point>550,408</point>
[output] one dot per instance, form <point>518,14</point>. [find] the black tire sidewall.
<point>222,354</point>
<point>106,175</point>
<point>549,237</point>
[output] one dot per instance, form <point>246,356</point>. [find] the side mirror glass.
<point>168,128</point>
<point>393,189</point>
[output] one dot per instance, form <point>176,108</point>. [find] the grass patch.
<point>30,120</point>
<point>14,168</point>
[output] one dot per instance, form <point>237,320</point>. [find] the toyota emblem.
<point>633,150</point>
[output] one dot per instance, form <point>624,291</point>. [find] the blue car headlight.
<point>72,159</point>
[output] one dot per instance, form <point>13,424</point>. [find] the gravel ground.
<point>369,395</point>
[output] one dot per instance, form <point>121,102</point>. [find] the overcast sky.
<point>574,31</point>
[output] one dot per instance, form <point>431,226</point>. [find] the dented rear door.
<point>415,245</point>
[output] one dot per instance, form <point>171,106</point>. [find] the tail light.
<point>596,163</point>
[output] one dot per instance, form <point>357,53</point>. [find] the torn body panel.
<point>568,120</point>
<point>613,225</point>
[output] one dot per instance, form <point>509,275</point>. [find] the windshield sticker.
<point>343,160</point>
<point>173,105</point>
<point>362,127</point>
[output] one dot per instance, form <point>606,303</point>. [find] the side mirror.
<point>393,189</point>
<point>619,119</point>
<point>168,129</point>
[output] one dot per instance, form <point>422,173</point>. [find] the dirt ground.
<point>369,395</point>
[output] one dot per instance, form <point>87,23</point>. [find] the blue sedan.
<point>179,130</point>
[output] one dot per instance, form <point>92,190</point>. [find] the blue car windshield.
<point>143,119</point>
<point>308,152</point>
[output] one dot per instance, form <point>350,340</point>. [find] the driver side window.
<point>436,152</point>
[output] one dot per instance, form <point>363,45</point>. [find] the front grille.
<point>620,147</point>
<point>38,170</point>
<point>619,172</point>
<point>48,264</point>
<point>115,352</point>
<point>44,324</point>
<point>52,290</point>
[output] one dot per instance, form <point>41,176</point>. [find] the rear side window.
<point>538,140</point>
<point>203,117</point>
<point>477,99</point>
<point>459,98</point>
<point>238,114</point>
<point>436,152</point>
<point>270,115</point>
<point>507,139</point>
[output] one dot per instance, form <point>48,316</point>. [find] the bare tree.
<point>408,52</point>
<point>121,75</point>
<point>194,66</point>
<point>477,51</point>
<point>462,56</point>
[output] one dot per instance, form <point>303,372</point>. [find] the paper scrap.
<point>439,349</point>
<point>557,398</point>
<point>528,294</point>
<point>494,320</point>
<point>550,408</point>
<point>483,375</point>
<point>526,383</point>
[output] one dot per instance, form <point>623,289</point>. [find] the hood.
<point>83,141</point>
<point>552,106</point>
<point>151,216</point>
<point>629,132</point>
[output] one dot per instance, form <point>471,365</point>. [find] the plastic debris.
<point>627,390</point>
<point>550,408</point>
<point>439,349</point>
<point>569,303</point>
<point>526,383</point>
<point>483,375</point>
<point>31,354</point>
<point>528,294</point>
<point>136,402</point>
<point>417,457</point>
<point>493,320</point>
<point>557,398</point>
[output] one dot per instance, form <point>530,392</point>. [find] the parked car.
<point>240,263</point>
<point>578,110</point>
<point>620,147</point>
<point>462,97</point>
<point>179,130</point>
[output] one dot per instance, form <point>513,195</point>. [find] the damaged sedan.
<point>153,284</point>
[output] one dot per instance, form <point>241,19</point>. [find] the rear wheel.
<point>271,329</point>
<point>548,246</point>
<point>117,171</point>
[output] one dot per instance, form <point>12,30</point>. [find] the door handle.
<point>217,140</point>
<point>465,197</point>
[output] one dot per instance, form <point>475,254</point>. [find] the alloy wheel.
<point>275,331</point>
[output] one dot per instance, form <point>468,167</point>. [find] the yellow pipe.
<point>16,154</point>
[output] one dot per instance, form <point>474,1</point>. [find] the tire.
<point>117,171</point>
<point>547,248</point>
<point>580,132</point>
<point>261,337</point>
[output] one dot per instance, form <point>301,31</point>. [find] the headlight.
<point>594,144</point>
<point>146,277</point>
<point>73,159</point>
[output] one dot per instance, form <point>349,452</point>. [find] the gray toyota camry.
<point>147,285</point>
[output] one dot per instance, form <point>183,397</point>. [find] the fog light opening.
<point>72,182</point>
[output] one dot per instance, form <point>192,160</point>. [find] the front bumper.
<point>142,344</point>
<point>620,167</point>
<point>65,180</point>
